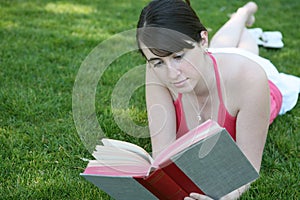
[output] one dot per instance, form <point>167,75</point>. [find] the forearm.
<point>161,143</point>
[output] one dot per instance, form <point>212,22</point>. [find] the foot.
<point>249,9</point>
<point>252,8</point>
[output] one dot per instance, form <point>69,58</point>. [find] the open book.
<point>206,160</point>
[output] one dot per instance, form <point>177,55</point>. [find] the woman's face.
<point>181,71</point>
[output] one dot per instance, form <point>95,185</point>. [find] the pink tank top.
<point>225,119</point>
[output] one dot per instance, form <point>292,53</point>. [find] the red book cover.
<point>181,178</point>
<point>162,186</point>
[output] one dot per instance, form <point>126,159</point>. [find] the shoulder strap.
<point>218,81</point>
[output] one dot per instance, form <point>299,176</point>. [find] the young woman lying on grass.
<point>190,80</point>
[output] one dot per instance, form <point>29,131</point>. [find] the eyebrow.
<point>151,59</point>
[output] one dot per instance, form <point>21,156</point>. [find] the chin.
<point>186,89</point>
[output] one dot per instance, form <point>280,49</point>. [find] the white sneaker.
<point>267,39</point>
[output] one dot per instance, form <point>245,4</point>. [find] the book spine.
<point>162,186</point>
<point>181,178</point>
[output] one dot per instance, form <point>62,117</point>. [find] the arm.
<point>161,113</point>
<point>251,98</point>
<point>253,116</point>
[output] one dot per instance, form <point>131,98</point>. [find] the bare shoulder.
<point>239,69</point>
<point>242,78</point>
<point>156,90</point>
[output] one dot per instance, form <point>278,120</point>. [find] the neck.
<point>205,85</point>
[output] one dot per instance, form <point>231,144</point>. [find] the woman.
<point>188,83</point>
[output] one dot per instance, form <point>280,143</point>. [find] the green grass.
<point>42,45</point>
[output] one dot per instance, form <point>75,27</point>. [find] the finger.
<point>200,196</point>
<point>188,198</point>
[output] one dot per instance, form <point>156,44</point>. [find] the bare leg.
<point>234,33</point>
<point>247,42</point>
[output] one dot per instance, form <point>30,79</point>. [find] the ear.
<point>204,39</point>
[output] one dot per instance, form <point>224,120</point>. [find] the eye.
<point>178,56</point>
<point>156,63</point>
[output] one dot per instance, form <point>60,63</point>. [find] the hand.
<point>197,196</point>
<point>231,196</point>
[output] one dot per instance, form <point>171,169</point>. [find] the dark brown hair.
<point>166,26</point>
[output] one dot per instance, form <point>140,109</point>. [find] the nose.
<point>173,70</point>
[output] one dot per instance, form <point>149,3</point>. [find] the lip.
<point>180,83</point>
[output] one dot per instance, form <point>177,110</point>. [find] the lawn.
<point>42,46</point>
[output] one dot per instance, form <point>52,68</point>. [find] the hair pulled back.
<point>168,26</point>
